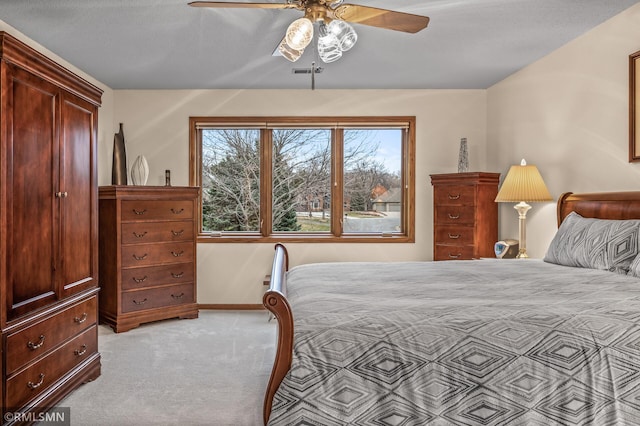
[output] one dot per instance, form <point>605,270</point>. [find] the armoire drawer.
<point>150,276</point>
<point>454,195</point>
<point>157,254</point>
<point>456,235</point>
<point>34,341</point>
<point>157,297</point>
<point>151,232</point>
<point>35,379</point>
<point>452,252</point>
<point>136,210</point>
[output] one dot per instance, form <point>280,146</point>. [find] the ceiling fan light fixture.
<point>344,32</point>
<point>289,52</point>
<point>329,48</point>
<point>299,33</point>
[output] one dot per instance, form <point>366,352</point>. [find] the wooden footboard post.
<point>275,300</point>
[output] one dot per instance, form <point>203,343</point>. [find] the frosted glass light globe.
<point>344,32</point>
<point>299,33</point>
<point>288,52</point>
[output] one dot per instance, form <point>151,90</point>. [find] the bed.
<point>478,342</point>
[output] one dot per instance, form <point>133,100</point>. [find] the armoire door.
<point>78,269</point>
<point>32,176</point>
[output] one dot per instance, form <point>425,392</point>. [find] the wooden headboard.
<point>601,205</point>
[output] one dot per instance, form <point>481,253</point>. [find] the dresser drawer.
<point>157,297</point>
<point>454,235</point>
<point>32,342</point>
<point>450,252</point>
<point>137,210</point>
<point>150,232</point>
<point>454,195</point>
<point>445,215</point>
<point>136,278</point>
<point>157,254</point>
<point>35,379</point>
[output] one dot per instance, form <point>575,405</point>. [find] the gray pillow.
<point>595,243</point>
<point>634,269</point>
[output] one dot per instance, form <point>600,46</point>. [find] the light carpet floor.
<point>208,371</point>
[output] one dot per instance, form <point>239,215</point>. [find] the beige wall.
<point>568,115</point>
<point>156,126</point>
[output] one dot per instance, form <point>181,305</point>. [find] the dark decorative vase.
<point>119,169</point>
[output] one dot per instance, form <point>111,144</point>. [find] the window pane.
<point>231,180</point>
<point>301,180</point>
<point>372,180</point>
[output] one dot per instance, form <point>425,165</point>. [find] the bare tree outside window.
<point>231,180</point>
<point>303,171</point>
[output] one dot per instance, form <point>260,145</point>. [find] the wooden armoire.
<point>48,229</point>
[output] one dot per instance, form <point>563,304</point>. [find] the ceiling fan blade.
<point>382,18</point>
<point>242,5</point>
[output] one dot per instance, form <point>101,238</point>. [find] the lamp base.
<point>522,208</point>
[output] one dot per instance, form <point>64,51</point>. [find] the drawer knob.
<point>34,346</point>
<point>451,216</point>
<point>177,233</point>
<point>140,280</point>
<point>177,275</point>
<point>82,318</point>
<point>32,385</point>
<point>454,236</point>
<point>142,302</point>
<point>178,254</point>
<point>139,235</point>
<point>81,351</point>
<point>144,256</point>
<point>174,211</point>
<point>454,197</point>
<point>454,256</point>
<point>139,212</point>
<point>180,296</point>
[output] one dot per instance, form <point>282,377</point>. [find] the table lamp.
<point>523,184</point>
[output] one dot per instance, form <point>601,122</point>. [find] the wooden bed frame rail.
<point>275,300</point>
<point>609,205</point>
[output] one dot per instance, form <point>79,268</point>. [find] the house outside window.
<point>325,179</point>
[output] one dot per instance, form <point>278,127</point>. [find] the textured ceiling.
<point>165,44</point>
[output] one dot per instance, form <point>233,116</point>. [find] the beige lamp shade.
<point>523,183</point>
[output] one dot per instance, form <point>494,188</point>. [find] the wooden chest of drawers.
<point>465,215</point>
<point>147,254</point>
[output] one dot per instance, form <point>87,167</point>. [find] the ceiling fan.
<point>335,35</point>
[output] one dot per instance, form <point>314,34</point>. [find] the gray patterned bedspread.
<point>484,342</point>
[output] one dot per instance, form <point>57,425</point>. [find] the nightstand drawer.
<point>157,298</point>
<point>151,232</point>
<point>454,195</point>
<point>449,252</point>
<point>454,235</point>
<point>143,210</point>
<point>445,215</point>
